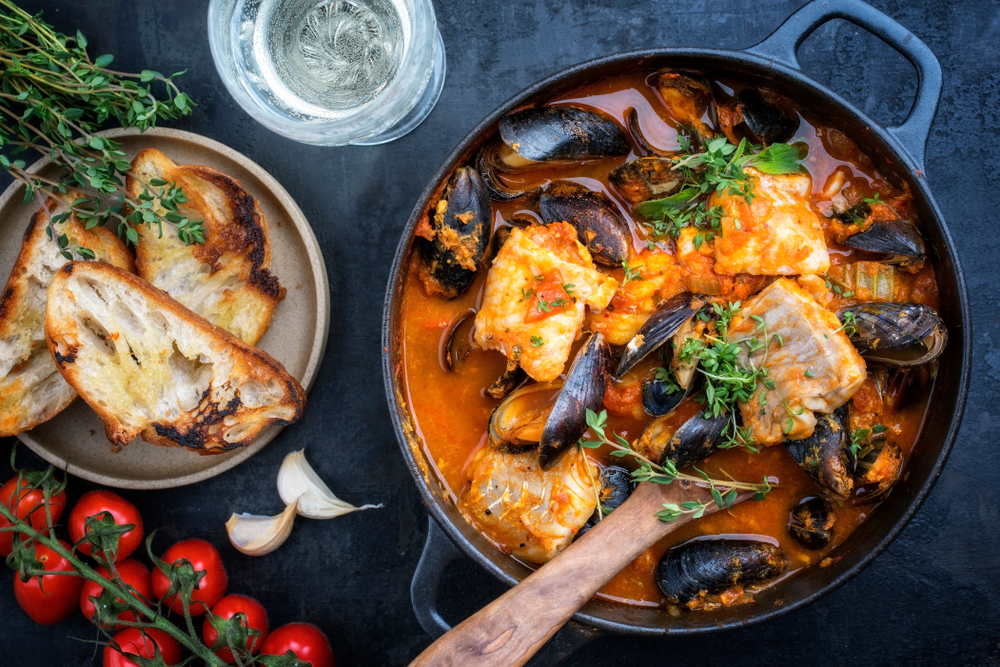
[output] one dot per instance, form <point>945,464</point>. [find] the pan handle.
<point>783,44</point>
<point>439,552</point>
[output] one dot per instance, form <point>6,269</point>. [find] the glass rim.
<point>389,107</point>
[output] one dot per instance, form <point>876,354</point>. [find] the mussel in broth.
<point>877,470</point>
<point>709,567</point>
<point>595,217</point>
<point>767,123</point>
<point>459,229</point>
<point>584,390</point>
<point>687,97</point>
<point>824,454</point>
<point>647,178</point>
<point>458,341</point>
<point>520,418</point>
<point>811,522</point>
<point>546,134</point>
<point>512,376</point>
<point>492,167</point>
<point>661,326</point>
<point>897,334</point>
<point>661,394</point>
<point>632,123</point>
<point>616,486</point>
<point>694,440</point>
<point>899,239</point>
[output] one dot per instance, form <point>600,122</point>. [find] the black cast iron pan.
<point>899,151</point>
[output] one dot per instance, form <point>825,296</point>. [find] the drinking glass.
<point>330,72</point>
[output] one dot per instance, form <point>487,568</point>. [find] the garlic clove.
<point>257,535</point>
<point>297,481</point>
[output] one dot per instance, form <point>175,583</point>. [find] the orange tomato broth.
<point>451,410</point>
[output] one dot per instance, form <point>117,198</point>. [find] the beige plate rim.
<point>322,316</point>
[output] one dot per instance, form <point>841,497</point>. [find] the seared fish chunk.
<point>779,234</point>
<point>535,297</point>
<point>812,367</point>
<point>531,513</point>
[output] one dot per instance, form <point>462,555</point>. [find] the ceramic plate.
<point>75,439</point>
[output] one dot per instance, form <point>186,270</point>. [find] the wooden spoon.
<point>509,630</point>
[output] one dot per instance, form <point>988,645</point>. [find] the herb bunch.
<point>117,596</point>
<point>724,492</point>
<point>53,100</point>
<point>720,168</point>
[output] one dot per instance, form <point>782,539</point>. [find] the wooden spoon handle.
<point>509,630</point>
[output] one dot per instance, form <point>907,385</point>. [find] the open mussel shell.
<point>660,397</point>
<point>811,522</point>
<point>616,486</point>
<point>897,334</point>
<point>544,134</point>
<point>686,96</point>
<point>766,122</point>
<point>520,418</point>
<point>584,390</point>
<point>877,471</point>
<point>824,455</point>
<point>899,239</point>
<point>632,123</point>
<point>458,343</point>
<point>512,377</point>
<point>658,329</point>
<point>491,166</point>
<point>647,178</point>
<point>461,222</point>
<point>598,223</point>
<point>694,440</point>
<point>710,567</point>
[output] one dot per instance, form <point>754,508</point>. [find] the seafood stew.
<point>567,281</point>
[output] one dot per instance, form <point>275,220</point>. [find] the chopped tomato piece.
<point>548,296</point>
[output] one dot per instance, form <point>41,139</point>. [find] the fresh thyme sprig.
<point>53,100</point>
<point>861,444</point>
<point>720,168</point>
<point>848,326</point>
<point>631,273</point>
<point>724,492</point>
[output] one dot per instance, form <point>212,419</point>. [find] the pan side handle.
<point>439,552</point>
<point>783,44</point>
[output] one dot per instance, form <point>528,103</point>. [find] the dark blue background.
<point>934,596</point>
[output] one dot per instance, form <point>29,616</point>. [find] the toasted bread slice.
<point>226,279</point>
<point>31,389</point>
<point>147,365</point>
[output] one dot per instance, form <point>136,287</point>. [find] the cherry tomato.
<point>132,641</point>
<point>124,512</point>
<point>305,640</point>
<point>56,597</point>
<point>133,573</point>
<point>228,607</point>
<point>211,588</point>
<point>30,502</point>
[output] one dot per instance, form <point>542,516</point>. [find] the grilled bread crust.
<point>226,279</point>
<point>149,366</point>
<point>31,389</point>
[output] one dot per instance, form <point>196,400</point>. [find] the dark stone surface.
<point>934,596</point>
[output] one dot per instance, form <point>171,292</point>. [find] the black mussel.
<point>686,97</point>
<point>512,377</point>
<point>632,123</point>
<point>898,238</point>
<point>766,122</point>
<point>460,222</point>
<point>694,440</point>
<point>710,567</point>
<point>584,389</point>
<point>492,166</point>
<point>811,522</point>
<point>544,134</point>
<point>647,178</point>
<point>458,343</point>
<point>616,486</point>
<point>668,318</point>
<point>824,455</point>
<point>520,418</point>
<point>877,471</point>
<point>660,395</point>
<point>897,334</point>
<point>595,217</point>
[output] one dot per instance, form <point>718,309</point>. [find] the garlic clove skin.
<point>297,481</point>
<point>256,535</point>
